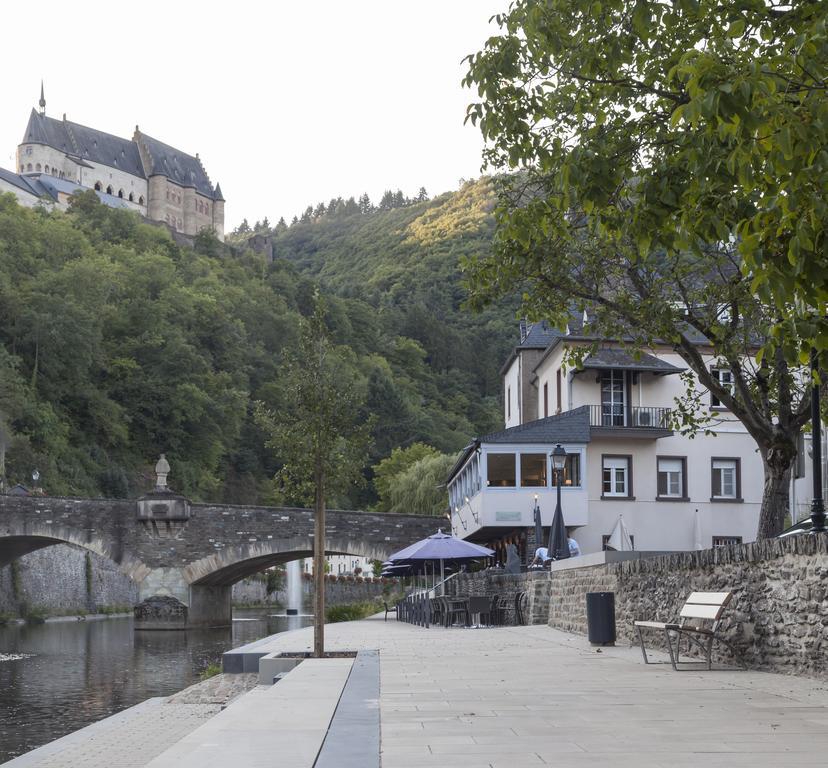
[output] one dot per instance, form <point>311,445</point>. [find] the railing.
<point>632,418</point>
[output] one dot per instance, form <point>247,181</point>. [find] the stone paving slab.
<point>534,696</point>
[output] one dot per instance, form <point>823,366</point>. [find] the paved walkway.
<point>533,696</point>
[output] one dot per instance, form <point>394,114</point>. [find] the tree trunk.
<point>776,493</point>
<point>319,569</point>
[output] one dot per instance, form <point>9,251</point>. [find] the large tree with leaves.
<point>671,178</point>
<point>674,123</point>
<point>317,435</point>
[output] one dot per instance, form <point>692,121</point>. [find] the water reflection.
<point>82,671</point>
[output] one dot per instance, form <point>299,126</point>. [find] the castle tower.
<point>218,212</point>
<point>42,102</point>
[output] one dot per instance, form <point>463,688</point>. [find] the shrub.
<point>350,611</point>
<point>211,670</point>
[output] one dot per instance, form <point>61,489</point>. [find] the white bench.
<point>698,622</point>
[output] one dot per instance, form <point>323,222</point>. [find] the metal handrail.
<point>635,417</point>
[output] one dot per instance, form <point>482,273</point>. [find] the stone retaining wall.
<point>777,621</point>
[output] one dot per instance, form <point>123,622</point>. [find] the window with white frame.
<point>725,479</point>
<point>500,470</point>
<point>616,476</point>
<point>671,477</point>
<point>725,378</point>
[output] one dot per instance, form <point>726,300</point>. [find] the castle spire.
<point>42,101</point>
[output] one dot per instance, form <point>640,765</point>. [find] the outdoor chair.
<point>480,606</point>
<point>457,607</point>
<point>438,609</point>
<point>389,609</point>
<point>496,613</point>
<point>698,623</point>
<point>521,599</point>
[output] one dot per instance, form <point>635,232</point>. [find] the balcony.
<point>630,421</point>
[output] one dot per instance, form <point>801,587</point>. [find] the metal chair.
<point>480,606</point>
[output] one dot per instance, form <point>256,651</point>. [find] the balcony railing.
<point>629,418</point>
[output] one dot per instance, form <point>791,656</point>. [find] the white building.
<point>342,565</point>
<point>612,416</point>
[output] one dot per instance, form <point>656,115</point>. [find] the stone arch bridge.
<point>194,552</point>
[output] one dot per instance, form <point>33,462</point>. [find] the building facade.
<point>613,416</point>
<point>150,177</point>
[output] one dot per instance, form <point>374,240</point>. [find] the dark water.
<point>83,671</point>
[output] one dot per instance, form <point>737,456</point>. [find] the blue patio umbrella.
<point>440,547</point>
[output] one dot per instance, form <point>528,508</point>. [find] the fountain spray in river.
<point>294,587</point>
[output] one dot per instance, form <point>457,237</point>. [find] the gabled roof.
<point>609,358</point>
<point>54,185</point>
<point>177,166</point>
<point>569,427</point>
<point>84,143</point>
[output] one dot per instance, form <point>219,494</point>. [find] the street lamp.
<point>35,478</point>
<point>558,546</point>
<point>817,505</point>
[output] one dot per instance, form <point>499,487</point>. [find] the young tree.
<point>422,195</point>
<point>317,435</point>
<point>365,204</point>
<point>673,124</point>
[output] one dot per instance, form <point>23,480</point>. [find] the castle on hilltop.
<point>142,174</point>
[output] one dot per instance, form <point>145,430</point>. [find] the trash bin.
<point>600,607</point>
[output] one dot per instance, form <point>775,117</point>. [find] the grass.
<point>351,611</point>
<point>211,671</point>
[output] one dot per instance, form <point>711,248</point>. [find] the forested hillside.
<point>117,344</point>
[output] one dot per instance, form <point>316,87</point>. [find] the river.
<point>74,673</point>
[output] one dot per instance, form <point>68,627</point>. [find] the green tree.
<point>317,434</point>
<point>390,468</point>
<point>421,488</point>
<point>655,177</point>
<point>673,125</point>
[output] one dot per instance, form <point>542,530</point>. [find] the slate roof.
<point>609,359</point>
<point>84,143</point>
<point>54,185</point>
<point>177,166</point>
<point>26,183</point>
<point>569,427</point>
<point>539,335</point>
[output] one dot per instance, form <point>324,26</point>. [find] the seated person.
<point>541,556</point>
<point>574,549</point>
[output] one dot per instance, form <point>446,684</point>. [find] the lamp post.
<point>817,505</point>
<point>35,478</point>
<point>558,464</point>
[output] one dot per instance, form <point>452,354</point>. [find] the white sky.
<point>288,103</point>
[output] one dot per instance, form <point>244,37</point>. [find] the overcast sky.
<point>287,103</point>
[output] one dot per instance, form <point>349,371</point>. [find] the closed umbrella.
<point>558,541</point>
<point>697,532</point>
<point>538,526</point>
<point>620,539</point>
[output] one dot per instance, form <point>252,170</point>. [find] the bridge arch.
<point>15,542</point>
<point>232,564</point>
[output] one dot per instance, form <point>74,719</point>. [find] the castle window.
<point>131,198</point>
<point>141,200</point>
<point>37,167</point>
<point>109,190</point>
<point>22,168</point>
<point>46,168</point>
<point>207,208</point>
<point>98,186</point>
<point>168,194</point>
<point>121,193</point>
<point>29,167</point>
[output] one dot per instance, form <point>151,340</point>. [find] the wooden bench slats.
<point>703,607</point>
<point>711,612</point>
<point>710,598</point>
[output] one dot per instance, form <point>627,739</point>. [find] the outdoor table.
<point>457,605</point>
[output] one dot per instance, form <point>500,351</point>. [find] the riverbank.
<point>135,736</point>
<point>513,697</point>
